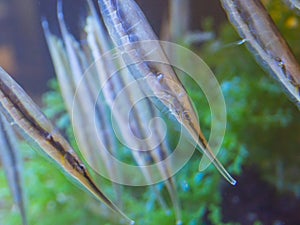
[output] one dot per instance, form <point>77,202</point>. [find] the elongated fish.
<point>94,133</point>
<point>142,112</point>
<point>99,43</point>
<point>140,49</point>
<point>12,162</point>
<point>294,3</point>
<point>264,40</point>
<point>67,87</point>
<point>21,111</point>
<point>86,134</point>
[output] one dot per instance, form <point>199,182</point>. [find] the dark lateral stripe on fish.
<point>45,134</point>
<point>24,112</point>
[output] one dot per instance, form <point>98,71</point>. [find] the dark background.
<point>23,51</point>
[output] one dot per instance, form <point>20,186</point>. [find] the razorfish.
<point>264,40</point>
<point>140,49</point>
<point>115,85</point>
<point>27,117</point>
<point>294,3</point>
<point>67,88</point>
<point>13,166</point>
<point>80,92</point>
<point>142,113</point>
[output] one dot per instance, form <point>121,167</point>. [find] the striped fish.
<point>12,162</point>
<point>264,40</point>
<point>86,135</point>
<point>80,92</point>
<point>21,111</point>
<point>100,43</point>
<point>140,49</point>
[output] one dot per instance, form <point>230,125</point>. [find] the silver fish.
<point>99,43</point>
<point>294,3</point>
<point>264,40</point>
<point>130,33</point>
<point>80,92</point>
<point>21,111</point>
<point>13,166</point>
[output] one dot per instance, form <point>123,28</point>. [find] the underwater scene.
<point>174,112</point>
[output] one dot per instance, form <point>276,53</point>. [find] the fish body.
<point>140,49</point>
<point>13,166</point>
<point>21,111</point>
<point>79,89</point>
<point>294,3</point>
<point>126,99</point>
<point>264,40</point>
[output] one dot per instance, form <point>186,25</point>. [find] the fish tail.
<point>212,158</point>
